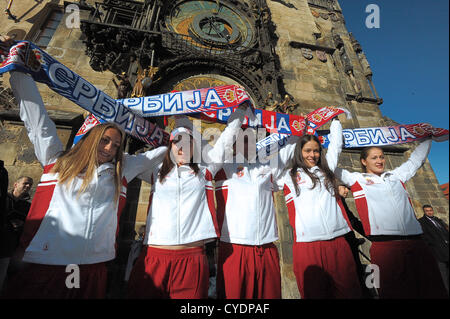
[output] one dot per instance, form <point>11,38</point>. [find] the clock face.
<point>208,24</point>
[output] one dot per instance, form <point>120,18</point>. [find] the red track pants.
<point>407,270</point>
<point>326,270</point>
<point>38,281</point>
<point>248,272</point>
<point>165,273</point>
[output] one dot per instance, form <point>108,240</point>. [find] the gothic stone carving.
<point>124,86</point>
<point>307,53</point>
<point>321,55</point>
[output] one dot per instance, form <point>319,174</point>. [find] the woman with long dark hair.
<point>406,266</point>
<point>323,261</point>
<point>181,216</point>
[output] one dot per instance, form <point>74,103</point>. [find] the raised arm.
<point>345,176</point>
<point>333,153</point>
<point>408,169</point>
<point>287,152</point>
<point>283,157</point>
<point>135,165</point>
<point>223,148</point>
<point>41,129</point>
<point>336,144</point>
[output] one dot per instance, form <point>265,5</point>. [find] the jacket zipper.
<point>89,218</point>
<point>258,211</point>
<point>318,189</point>
<point>397,214</point>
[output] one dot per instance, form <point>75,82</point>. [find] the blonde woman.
<point>73,219</point>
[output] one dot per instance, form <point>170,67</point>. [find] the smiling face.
<point>374,162</point>
<point>108,146</point>
<point>311,153</point>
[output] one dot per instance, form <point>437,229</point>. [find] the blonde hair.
<point>82,159</point>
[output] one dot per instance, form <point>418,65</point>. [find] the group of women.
<point>75,211</point>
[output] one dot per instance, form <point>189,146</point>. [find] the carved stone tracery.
<point>124,33</point>
<point>7,100</point>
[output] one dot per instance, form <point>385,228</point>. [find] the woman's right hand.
<point>244,105</point>
<point>6,39</point>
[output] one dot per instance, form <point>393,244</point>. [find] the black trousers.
<point>443,267</point>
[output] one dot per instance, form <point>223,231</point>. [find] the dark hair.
<point>427,206</point>
<point>168,164</point>
<point>364,154</point>
<point>27,177</point>
<point>297,162</point>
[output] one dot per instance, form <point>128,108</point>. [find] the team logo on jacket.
<point>108,171</point>
<point>299,178</point>
<point>240,171</point>
<point>369,181</point>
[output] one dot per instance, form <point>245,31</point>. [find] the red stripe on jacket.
<point>362,208</point>
<point>291,210</point>
<point>121,206</point>
<point>39,207</point>
<point>221,198</point>
<point>211,204</point>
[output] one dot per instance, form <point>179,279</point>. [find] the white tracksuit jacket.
<point>62,228</point>
<point>181,208</point>
<point>383,203</point>
<point>315,214</point>
<point>245,202</point>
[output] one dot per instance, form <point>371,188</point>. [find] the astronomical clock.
<point>187,44</point>
<point>211,25</point>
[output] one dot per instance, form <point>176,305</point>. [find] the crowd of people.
<point>74,215</point>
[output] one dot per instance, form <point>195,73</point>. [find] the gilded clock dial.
<point>211,24</point>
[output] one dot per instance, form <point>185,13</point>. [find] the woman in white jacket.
<point>248,260</point>
<point>181,216</point>
<point>407,268</point>
<point>323,263</point>
<point>73,219</point>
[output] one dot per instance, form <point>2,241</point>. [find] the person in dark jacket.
<point>13,214</point>
<point>435,234</point>
<point>3,190</point>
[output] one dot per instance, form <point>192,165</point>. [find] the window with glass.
<point>48,28</point>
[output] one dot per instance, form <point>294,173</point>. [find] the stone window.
<point>48,28</point>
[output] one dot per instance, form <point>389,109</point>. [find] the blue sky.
<point>409,58</point>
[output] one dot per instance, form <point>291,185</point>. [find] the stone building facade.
<point>294,56</point>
